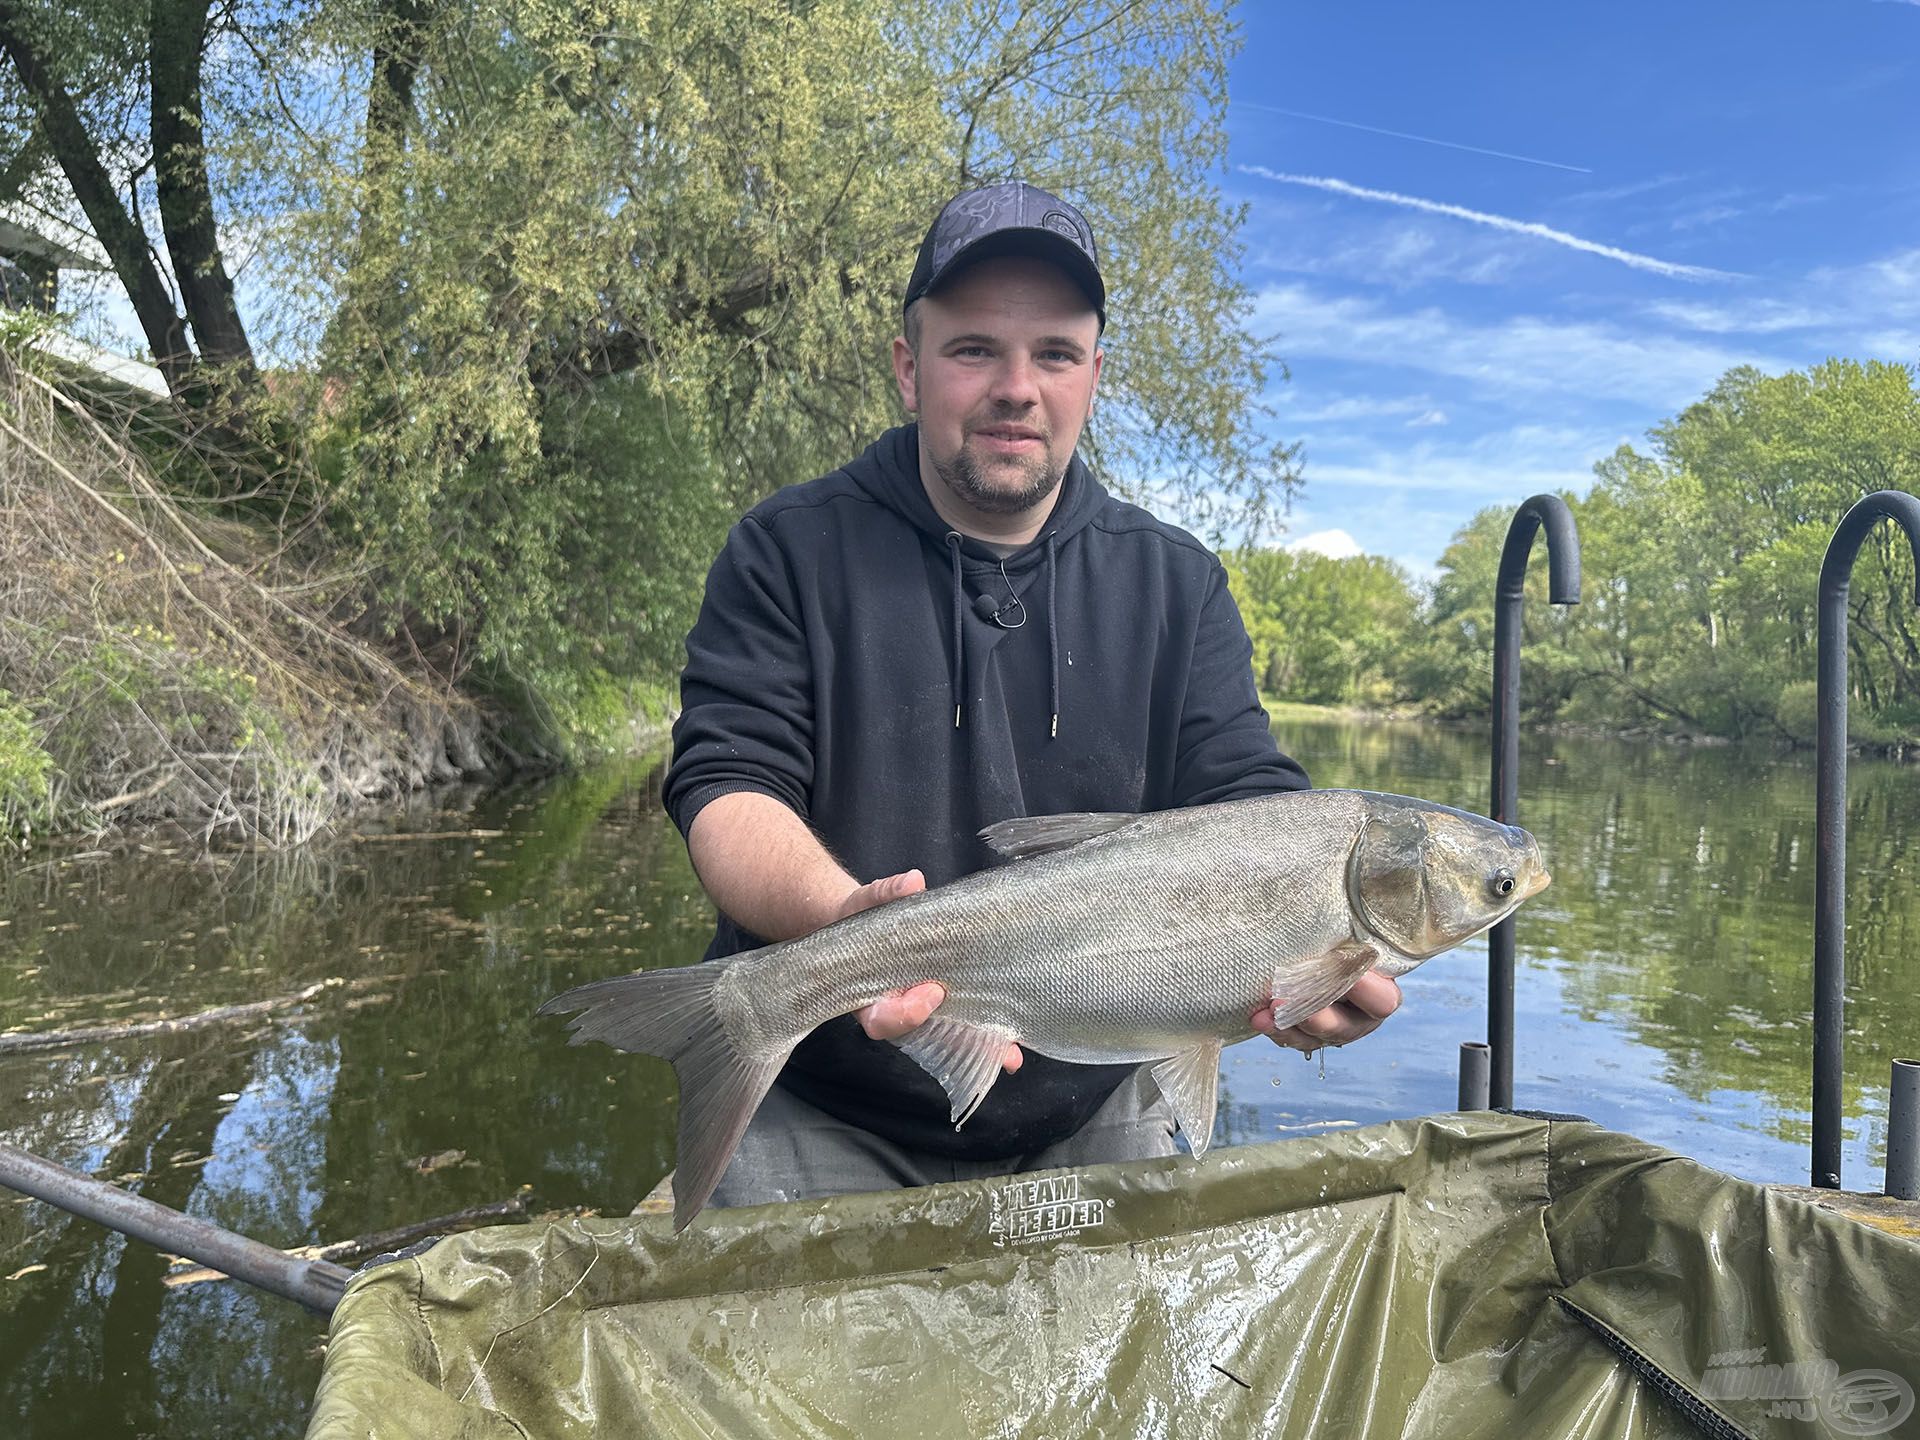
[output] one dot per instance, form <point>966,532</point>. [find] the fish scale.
<point>1104,939</point>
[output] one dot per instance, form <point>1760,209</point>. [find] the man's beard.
<point>962,474</point>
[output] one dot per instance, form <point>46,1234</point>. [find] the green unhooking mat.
<point>1462,1275</point>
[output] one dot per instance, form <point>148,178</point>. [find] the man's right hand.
<point>902,1011</point>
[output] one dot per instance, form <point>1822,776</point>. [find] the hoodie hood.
<point>889,471</point>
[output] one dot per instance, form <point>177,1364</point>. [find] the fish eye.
<point>1501,882</point>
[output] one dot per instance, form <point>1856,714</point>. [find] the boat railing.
<point>1549,513</point>
<point>1830,881</point>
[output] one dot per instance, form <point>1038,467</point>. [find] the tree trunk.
<point>177,36</point>
<point>398,53</point>
<point>126,246</point>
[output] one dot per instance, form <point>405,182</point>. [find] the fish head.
<point>1422,877</point>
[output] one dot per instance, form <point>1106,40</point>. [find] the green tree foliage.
<point>574,281</point>
<point>701,221</point>
<point>1701,566</point>
<point>1325,631</point>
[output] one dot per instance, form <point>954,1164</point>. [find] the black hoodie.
<point>848,663</point>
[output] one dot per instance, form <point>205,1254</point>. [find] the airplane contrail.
<point>1497,222</point>
<point>1423,139</point>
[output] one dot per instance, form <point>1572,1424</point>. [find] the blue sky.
<point>1582,217</point>
<point>1680,188</point>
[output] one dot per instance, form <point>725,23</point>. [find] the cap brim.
<point>1039,243</point>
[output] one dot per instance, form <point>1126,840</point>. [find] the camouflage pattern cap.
<point>1013,218</point>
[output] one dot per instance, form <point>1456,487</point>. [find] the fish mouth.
<point>1536,882</point>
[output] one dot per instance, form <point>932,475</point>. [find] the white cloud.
<point>1749,317</point>
<point>1503,465</point>
<point>1334,544</point>
<point>1902,346</point>
<point>1426,418</point>
<point>1706,215</point>
<point>1403,253</point>
<point>1352,407</point>
<point>1521,354</point>
<point>1531,228</point>
<point>1866,310</point>
<point>1624,191</point>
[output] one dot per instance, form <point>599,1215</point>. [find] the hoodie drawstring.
<point>1053,628</point>
<point>957,670</point>
<point>953,554</point>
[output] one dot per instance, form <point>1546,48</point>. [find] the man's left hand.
<point>1359,1012</point>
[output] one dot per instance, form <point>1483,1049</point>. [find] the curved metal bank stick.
<point>1563,588</point>
<point>316,1284</point>
<point>1830,882</point>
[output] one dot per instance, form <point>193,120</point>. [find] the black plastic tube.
<point>1563,588</point>
<point>316,1284</point>
<point>1903,1131</point>
<point>1830,881</point>
<point>1473,1074</point>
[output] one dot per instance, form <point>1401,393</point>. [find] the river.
<point>1664,989</point>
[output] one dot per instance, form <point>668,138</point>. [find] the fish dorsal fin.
<point>964,1058</point>
<point>1190,1081</point>
<point>1030,835</point>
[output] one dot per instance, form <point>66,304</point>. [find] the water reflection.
<point>1664,989</point>
<point>1666,977</point>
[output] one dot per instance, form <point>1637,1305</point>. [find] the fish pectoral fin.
<point>1029,835</point>
<point>964,1058</point>
<point>1190,1081</point>
<point>1307,987</point>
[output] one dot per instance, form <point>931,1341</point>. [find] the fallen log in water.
<point>24,1041</point>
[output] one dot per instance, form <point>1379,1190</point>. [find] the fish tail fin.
<point>672,1014</point>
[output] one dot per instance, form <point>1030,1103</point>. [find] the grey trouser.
<point>793,1151</point>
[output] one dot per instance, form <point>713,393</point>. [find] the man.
<point>957,627</point>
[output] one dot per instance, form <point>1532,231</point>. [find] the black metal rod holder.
<point>1830,881</point>
<point>1903,1131</point>
<point>1547,512</point>
<point>1474,1073</point>
<point>316,1284</point>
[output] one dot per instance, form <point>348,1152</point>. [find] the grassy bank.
<point>169,655</point>
<point>1284,710</point>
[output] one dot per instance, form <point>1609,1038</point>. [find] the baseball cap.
<point>1013,218</point>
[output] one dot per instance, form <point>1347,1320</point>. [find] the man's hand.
<point>1372,999</point>
<point>894,1015</point>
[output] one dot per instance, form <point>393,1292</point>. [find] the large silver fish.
<point>1112,938</point>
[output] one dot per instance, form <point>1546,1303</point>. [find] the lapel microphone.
<point>984,607</point>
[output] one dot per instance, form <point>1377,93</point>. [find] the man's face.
<point>1003,381</point>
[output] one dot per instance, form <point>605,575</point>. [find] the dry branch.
<point>183,670</point>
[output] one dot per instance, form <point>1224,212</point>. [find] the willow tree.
<point>598,275</point>
<point>577,279</point>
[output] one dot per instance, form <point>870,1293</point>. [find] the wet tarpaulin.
<point>1462,1275</point>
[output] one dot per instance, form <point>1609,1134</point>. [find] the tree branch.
<point>126,246</point>
<point>613,351</point>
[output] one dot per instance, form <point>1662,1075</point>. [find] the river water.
<point>1664,989</point>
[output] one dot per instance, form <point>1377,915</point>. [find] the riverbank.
<point>173,655</point>
<point>1281,711</point>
